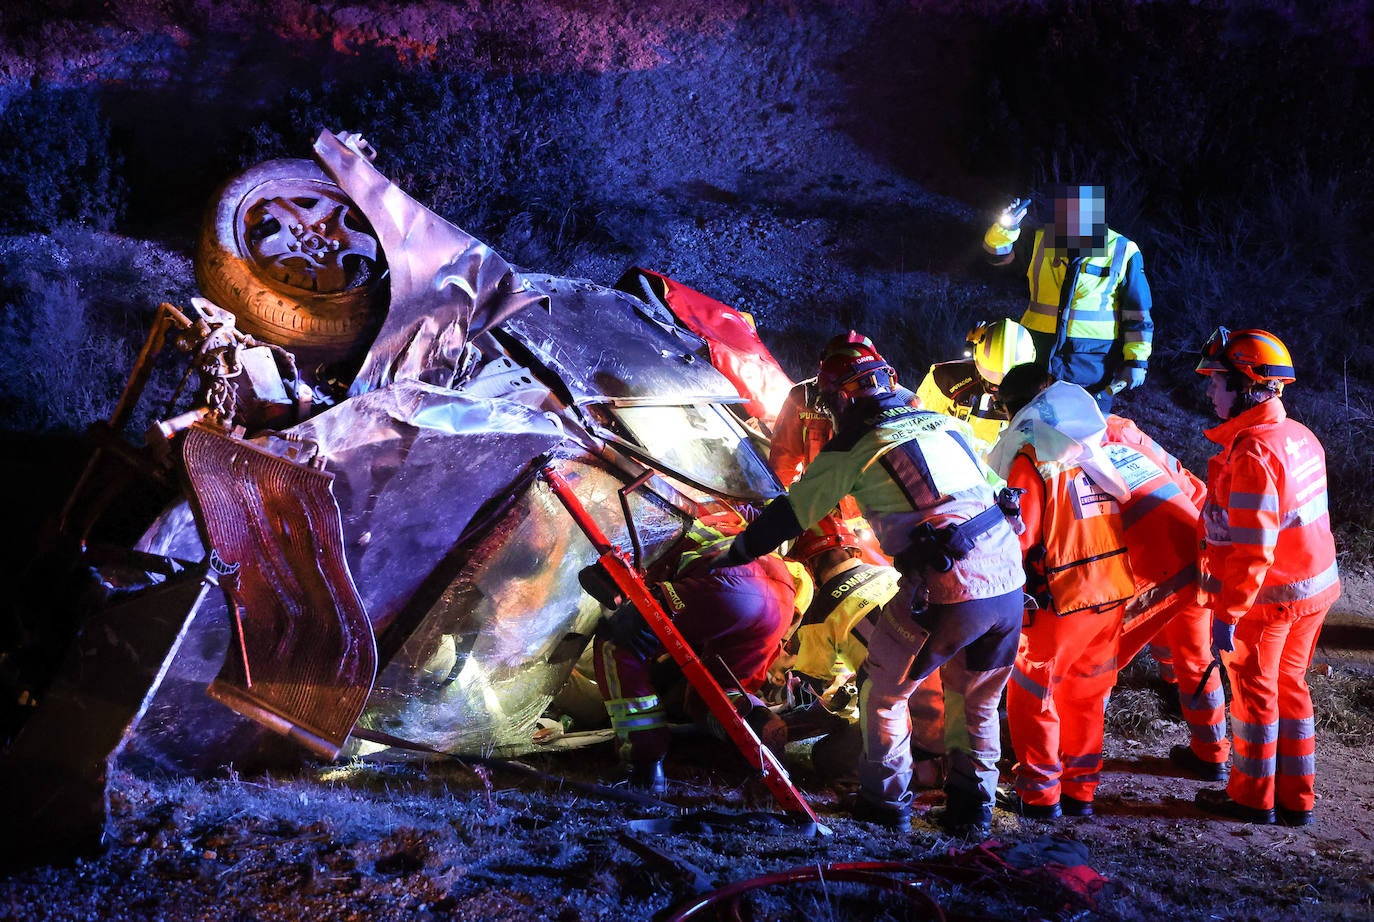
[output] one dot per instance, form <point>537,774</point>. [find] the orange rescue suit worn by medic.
<point>1161,520</point>
<point>1076,563</point>
<point>1269,567</point>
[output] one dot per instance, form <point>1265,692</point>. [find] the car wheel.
<point>293,258</point>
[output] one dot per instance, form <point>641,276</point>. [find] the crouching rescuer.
<point>734,618</point>
<point>928,498</point>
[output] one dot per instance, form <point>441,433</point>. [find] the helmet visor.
<point>1213,357</point>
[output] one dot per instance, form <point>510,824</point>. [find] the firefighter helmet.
<point>1256,355</point>
<point>998,347</point>
<point>851,367</point>
<point>830,533</point>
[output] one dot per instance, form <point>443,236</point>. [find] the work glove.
<point>1127,378</point>
<point>627,629</point>
<point>1223,636</point>
<point>1012,216</point>
<point>598,584</point>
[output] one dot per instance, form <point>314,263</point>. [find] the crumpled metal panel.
<point>602,344</point>
<point>413,464</point>
<point>304,654</point>
<point>489,656</point>
<point>446,285</point>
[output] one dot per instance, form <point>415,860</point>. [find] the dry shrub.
<point>1343,701</point>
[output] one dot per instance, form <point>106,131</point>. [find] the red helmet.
<point>851,367</point>
<point>828,534</point>
<point>1255,354</point>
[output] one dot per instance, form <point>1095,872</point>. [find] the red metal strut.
<point>631,584</point>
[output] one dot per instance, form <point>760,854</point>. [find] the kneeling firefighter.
<point>733,617</point>
<point>928,498</point>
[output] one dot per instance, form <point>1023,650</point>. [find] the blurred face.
<point>1080,223</point>
<point>1220,393</point>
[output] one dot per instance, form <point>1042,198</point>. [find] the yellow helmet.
<point>999,346</point>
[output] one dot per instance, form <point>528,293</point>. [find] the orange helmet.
<point>1256,355</point>
<point>851,367</point>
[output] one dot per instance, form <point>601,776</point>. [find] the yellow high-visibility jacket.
<point>1089,315</point>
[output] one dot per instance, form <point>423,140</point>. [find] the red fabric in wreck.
<point>735,347</point>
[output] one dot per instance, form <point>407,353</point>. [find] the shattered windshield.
<point>702,442</point>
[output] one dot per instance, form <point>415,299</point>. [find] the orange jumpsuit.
<point>1076,564</point>
<point>1269,567</point>
<point>1161,538</point>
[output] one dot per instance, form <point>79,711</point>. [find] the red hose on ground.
<point>863,872</point>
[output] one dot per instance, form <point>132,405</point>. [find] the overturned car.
<point>369,544</point>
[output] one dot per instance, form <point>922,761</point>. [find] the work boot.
<point>1011,802</point>
<point>1293,817</point>
<point>1184,757</point>
<point>1072,806</point>
<point>895,816</point>
<point>962,820</point>
<point>1221,804</point>
<point>648,777</point>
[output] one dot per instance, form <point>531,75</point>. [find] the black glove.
<point>1223,636</point>
<point>598,584</point>
<point>626,628</point>
<point>734,556</point>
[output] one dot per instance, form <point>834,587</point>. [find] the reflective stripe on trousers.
<point>1056,703</point>
<point>1273,756</point>
<point>962,634</point>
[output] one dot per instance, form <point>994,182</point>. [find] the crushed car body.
<point>361,544</point>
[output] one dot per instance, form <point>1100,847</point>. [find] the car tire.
<point>293,258</point>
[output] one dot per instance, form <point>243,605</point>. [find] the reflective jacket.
<point>955,389</point>
<point>799,434</point>
<point>1266,532</point>
<point>1075,544</point>
<point>1160,518</point>
<point>905,467</point>
<point>1088,315</point>
<point>833,635</point>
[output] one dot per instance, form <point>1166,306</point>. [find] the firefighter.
<point>1268,574</point>
<point>1089,310</point>
<point>1077,569</point>
<point>1161,519</point>
<point>918,482</point>
<point>733,617</point>
<point>967,389</point>
<point>825,654</point>
<point>800,432</point>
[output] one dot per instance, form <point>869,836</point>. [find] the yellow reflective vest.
<point>1088,315</point>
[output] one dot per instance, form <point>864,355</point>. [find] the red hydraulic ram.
<point>632,586</point>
